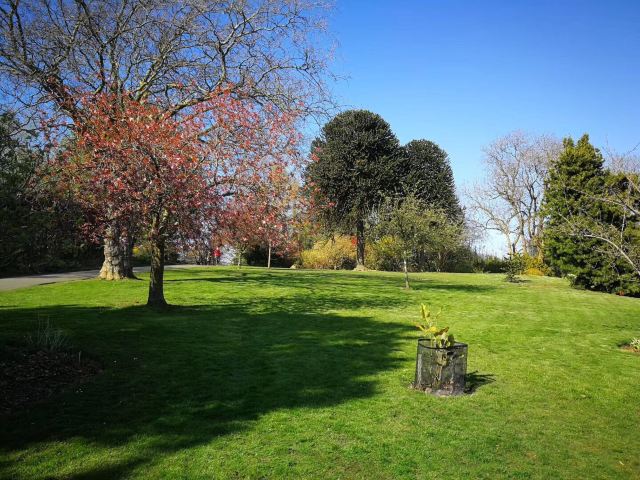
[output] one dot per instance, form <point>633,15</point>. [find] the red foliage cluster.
<point>266,214</point>
<point>131,160</point>
<point>134,166</point>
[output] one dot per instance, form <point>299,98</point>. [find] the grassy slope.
<point>302,374</point>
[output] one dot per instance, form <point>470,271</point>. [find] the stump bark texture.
<point>440,371</point>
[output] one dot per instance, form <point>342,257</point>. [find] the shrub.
<point>383,254</point>
<point>530,265</point>
<point>489,264</point>
<point>514,267</point>
<point>334,253</point>
<point>257,256</point>
<point>534,271</point>
<point>534,265</point>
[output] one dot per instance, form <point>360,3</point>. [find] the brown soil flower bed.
<point>28,376</point>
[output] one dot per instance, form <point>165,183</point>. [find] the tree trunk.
<point>127,256</point>
<point>526,247</point>
<point>269,257</point>
<point>360,244</point>
<point>406,273</point>
<point>156,277</point>
<point>113,265</point>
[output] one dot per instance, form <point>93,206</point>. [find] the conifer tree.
<point>355,167</point>
<point>574,184</point>
<point>428,177</point>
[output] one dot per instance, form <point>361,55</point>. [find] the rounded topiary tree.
<point>356,164</point>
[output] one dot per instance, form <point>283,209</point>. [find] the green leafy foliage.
<point>439,337</point>
<point>415,236</point>
<point>488,264</point>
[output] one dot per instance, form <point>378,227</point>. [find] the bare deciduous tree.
<point>509,198</point>
<point>178,53</point>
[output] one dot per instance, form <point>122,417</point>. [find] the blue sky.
<point>462,73</point>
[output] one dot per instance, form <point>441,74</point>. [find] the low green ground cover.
<point>305,374</point>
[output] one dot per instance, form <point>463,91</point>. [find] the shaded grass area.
<point>305,374</point>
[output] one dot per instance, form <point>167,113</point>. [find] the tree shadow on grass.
<point>183,377</point>
<point>475,380</point>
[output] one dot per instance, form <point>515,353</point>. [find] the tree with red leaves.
<point>171,174</point>
<point>266,214</point>
<point>277,201</point>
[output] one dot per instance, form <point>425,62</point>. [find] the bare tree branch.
<point>173,53</point>
<point>510,198</point>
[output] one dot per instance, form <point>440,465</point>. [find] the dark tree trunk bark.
<point>360,244</point>
<point>127,256</point>
<point>156,277</point>
<point>113,265</point>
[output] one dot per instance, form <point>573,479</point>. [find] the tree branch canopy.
<point>174,53</point>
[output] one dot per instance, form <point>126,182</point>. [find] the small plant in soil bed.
<point>39,368</point>
<point>441,362</point>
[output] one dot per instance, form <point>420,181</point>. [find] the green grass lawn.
<point>304,374</point>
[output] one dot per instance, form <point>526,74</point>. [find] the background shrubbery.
<point>335,253</point>
<point>339,253</point>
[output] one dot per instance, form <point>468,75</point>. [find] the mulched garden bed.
<point>28,376</point>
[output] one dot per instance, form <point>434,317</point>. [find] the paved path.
<point>13,283</point>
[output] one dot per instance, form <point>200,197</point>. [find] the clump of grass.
<point>47,337</point>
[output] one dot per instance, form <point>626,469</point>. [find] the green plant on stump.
<point>431,365</point>
<point>439,337</point>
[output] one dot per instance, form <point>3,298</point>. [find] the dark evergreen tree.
<point>356,165</point>
<point>18,162</point>
<point>40,230</point>
<point>575,183</point>
<point>427,176</point>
